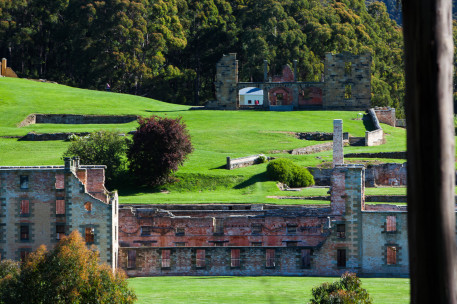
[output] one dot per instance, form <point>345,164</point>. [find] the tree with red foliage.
<point>160,145</point>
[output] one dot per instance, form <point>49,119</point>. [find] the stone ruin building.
<point>40,204</point>
<point>346,86</point>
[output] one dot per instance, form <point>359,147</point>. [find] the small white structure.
<point>251,96</point>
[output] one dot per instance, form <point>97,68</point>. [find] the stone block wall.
<point>386,115</point>
<point>43,187</point>
<point>226,82</point>
<point>243,161</point>
<point>374,138</point>
<point>343,71</point>
<point>76,119</point>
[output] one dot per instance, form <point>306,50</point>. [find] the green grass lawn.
<point>254,289</point>
<point>215,135</point>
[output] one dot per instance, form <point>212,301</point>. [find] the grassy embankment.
<point>215,135</point>
<point>254,289</point>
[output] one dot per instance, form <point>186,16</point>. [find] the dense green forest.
<point>168,49</point>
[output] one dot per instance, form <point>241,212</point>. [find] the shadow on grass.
<point>150,111</point>
<point>368,123</point>
<point>261,177</point>
<point>133,191</point>
<point>218,168</point>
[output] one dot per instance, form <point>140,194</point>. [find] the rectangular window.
<point>89,235</point>
<point>341,231</point>
<point>25,232</point>
<point>256,228</point>
<point>218,226</point>
<point>235,258</point>
<point>306,258</point>
<point>24,255</point>
<point>348,91</point>
<point>24,179</point>
<point>391,255</point>
<point>180,231</point>
<point>146,230</point>
<point>391,223</point>
<point>60,206</point>
<point>291,244</point>
<point>60,231</point>
<point>219,244</point>
<point>270,258</point>
<point>200,258</point>
<point>25,207</point>
<point>291,229</point>
<point>165,258</point>
<point>348,68</point>
<point>60,181</point>
<point>249,101</point>
<point>131,259</point>
<point>341,257</point>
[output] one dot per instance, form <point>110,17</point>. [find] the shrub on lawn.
<point>287,172</point>
<point>159,147</point>
<point>348,290</point>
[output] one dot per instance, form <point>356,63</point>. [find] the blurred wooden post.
<point>431,152</point>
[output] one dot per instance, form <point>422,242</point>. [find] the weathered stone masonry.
<point>40,204</point>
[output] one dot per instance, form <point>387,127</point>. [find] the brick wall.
<point>386,115</point>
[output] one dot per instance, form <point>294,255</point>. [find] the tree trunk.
<point>431,152</point>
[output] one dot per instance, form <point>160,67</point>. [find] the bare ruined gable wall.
<point>76,119</point>
<point>226,82</point>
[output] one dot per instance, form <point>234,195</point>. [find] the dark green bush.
<point>287,172</point>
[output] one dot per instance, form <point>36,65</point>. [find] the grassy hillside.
<point>255,289</point>
<point>215,135</point>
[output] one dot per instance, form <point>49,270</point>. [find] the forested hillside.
<point>168,49</point>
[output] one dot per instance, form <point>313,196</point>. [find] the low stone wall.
<point>385,198</point>
<point>386,115</point>
<point>392,155</point>
<point>243,161</point>
<point>312,149</point>
<point>376,137</point>
<point>76,119</point>
<point>50,136</point>
<point>385,207</point>
<point>321,176</point>
<point>319,136</point>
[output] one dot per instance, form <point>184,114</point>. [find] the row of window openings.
<point>60,207</point>
<point>89,233</point>
<point>391,226</point>
<point>235,258</point>
<point>24,181</point>
<point>218,228</point>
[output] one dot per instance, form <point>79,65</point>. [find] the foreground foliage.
<point>159,147</point>
<point>346,291</point>
<point>70,273</point>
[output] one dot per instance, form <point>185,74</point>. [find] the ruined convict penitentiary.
<point>41,204</point>
<point>346,85</point>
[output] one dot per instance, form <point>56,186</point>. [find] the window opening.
<point>146,230</point>
<point>218,225</point>
<point>89,235</point>
<point>25,207</point>
<point>131,258</point>
<point>391,223</point>
<point>165,258</point>
<point>291,244</point>
<point>256,228</point>
<point>341,231</point>
<point>200,262</point>
<point>235,258</point>
<point>291,229</point>
<point>348,68</point>
<point>25,233</point>
<point>249,101</point>
<point>180,231</point>
<point>306,258</point>
<point>270,258</point>
<point>60,181</point>
<point>24,255</point>
<point>348,91</point>
<point>60,231</point>
<point>391,255</point>
<point>24,179</point>
<point>341,257</point>
<point>60,206</point>
<point>256,244</point>
<point>88,206</point>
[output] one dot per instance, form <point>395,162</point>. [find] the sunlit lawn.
<point>254,289</point>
